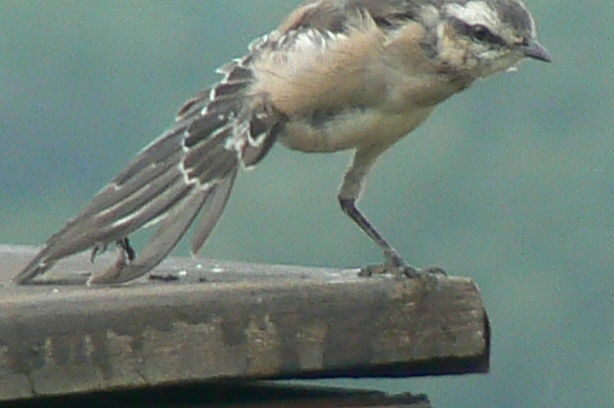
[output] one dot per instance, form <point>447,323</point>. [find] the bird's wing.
<point>326,56</point>
<point>336,15</point>
<point>190,168</point>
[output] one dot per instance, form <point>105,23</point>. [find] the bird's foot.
<point>126,254</point>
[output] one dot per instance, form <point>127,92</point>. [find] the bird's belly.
<point>349,129</point>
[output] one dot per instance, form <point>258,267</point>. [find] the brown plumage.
<point>336,74</point>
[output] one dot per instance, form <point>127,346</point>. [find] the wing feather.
<point>190,168</point>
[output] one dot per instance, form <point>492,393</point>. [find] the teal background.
<point>510,183</point>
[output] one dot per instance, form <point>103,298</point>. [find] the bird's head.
<point>480,37</point>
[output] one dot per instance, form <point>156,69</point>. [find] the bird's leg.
<point>350,189</point>
<point>97,249</point>
<point>394,261</point>
<point>124,245</point>
<point>124,257</point>
<point>392,256</point>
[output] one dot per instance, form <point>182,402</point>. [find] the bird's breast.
<point>350,128</point>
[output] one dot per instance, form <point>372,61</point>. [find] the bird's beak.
<point>536,51</point>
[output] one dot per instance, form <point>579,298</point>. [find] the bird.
<point>335,75</point>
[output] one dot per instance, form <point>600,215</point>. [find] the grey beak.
<point>536,51</point>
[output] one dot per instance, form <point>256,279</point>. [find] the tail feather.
<point>189,169</point>
<point>85,232</point>
<point>117,211</point>
<point>170,231</point>
<point>212,211</point>
<point>208,161</point>
<point>152,199</point>
<point>160,153</point>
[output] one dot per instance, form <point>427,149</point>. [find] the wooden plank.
<point>228,320</point>
<point>234,394</point>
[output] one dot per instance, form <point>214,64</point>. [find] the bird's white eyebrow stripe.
<point>474,12</point>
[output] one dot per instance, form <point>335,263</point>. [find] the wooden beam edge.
<point>232,320</point>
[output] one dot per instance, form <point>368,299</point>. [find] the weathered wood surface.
<point>228,320</point>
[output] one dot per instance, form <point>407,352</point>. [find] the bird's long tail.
<point>189,169</point>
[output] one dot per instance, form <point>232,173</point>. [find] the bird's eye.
<point>480,32</point>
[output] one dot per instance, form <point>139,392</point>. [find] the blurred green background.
<point>510,183</point>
